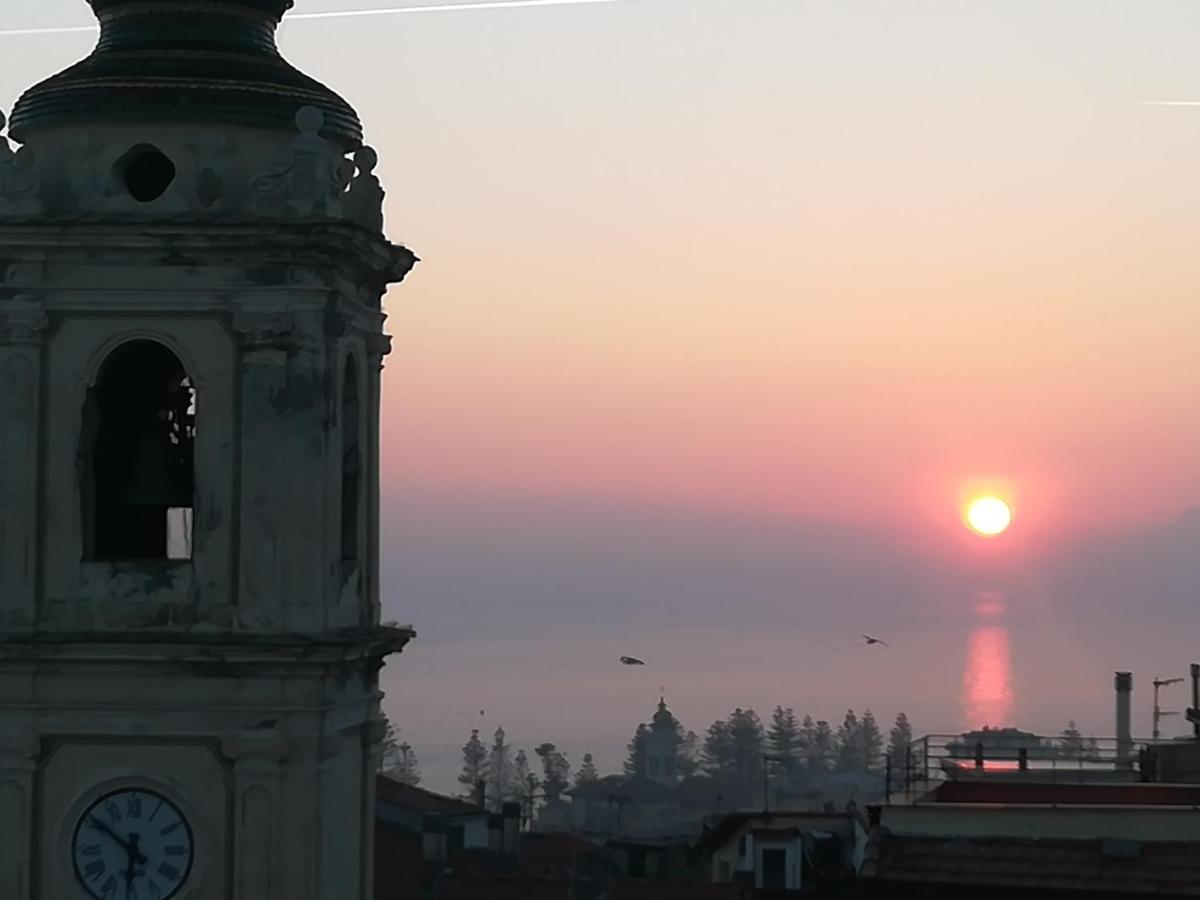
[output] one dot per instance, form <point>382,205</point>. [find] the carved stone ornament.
<point>20,190</point>
<point>264,330</point>
<point>23,326</point>
<point>364,202</point>
<point>308,183</point>
<point>378,346</point>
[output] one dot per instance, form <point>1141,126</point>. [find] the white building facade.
<point>192,266</point>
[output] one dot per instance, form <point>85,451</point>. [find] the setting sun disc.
<point>989,516</point>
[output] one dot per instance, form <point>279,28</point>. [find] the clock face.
<point>132,844</point>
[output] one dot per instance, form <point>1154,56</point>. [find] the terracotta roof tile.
<point>1151,868</point>
<point>391,791</point>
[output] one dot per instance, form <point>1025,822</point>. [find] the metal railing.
<point>1006,753</point>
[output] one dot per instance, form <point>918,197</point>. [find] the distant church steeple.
<point>662,745</point>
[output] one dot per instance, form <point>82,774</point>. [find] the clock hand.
<point>129,869</point>
<point>133,849</point>
<point>108,831</point>
<point>125,845</point>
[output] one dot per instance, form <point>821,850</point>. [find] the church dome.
<point>185,62</point>
<point>663,717</point>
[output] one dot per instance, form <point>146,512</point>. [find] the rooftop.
<point>388,790</point>
<point>1061,794</point>
<point>1095,865</point>
<point>728,826</point>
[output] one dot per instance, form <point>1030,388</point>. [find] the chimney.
<point>511,813</point>
<point>495,832</point>
<point>1124,685</point>
<point>1194,712</point>
<point>433,840</point>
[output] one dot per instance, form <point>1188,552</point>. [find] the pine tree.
<point>689,755</point>
<point>475,766</point>
<point>717,754</point>
<point>524,783</point>
<point>556,771</point>
<point>821,749</point>
<point>898,743</point>
<point>500,771</point>
<point>586,773</point>
<point>636,764</point>
<point>870,743</point>
<point>408,769</point>
<point>389,755</point>
<point>808,733</point>
<point>748,741</point>
<point>847,749</point>
<point>783,738</point>
<point>1071,740</point>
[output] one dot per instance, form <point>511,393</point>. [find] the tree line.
<point>737,746</point>
<point>493,775</point>
<point>740,745</point>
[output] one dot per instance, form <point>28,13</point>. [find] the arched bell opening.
<point>139,439</point>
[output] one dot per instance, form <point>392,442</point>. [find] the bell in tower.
<point>192,267</point>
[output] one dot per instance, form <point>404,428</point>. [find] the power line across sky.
<point>467,6</point>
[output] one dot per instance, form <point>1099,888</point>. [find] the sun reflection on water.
<point>987,692</point>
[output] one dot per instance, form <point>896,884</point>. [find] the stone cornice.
<point>340,647</point>
<point>330,241</point>
<point>220,259</point>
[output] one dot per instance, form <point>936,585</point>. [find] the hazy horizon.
<point>725,308</point>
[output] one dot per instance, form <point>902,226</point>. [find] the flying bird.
<point>874,640</point>
<point>631,661</point>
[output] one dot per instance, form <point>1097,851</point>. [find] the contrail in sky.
<point>1171,102</point>
<point>350,13</point>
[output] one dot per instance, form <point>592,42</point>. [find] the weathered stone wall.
<point>239,681</point>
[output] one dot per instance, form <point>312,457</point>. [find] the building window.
<point>139,444</point>
<point>351,462</point>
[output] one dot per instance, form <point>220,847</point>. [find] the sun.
<point>989,516</point>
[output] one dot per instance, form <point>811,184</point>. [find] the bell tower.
<point>192,266</point>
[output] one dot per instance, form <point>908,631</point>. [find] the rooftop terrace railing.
<point>1009,754</point>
